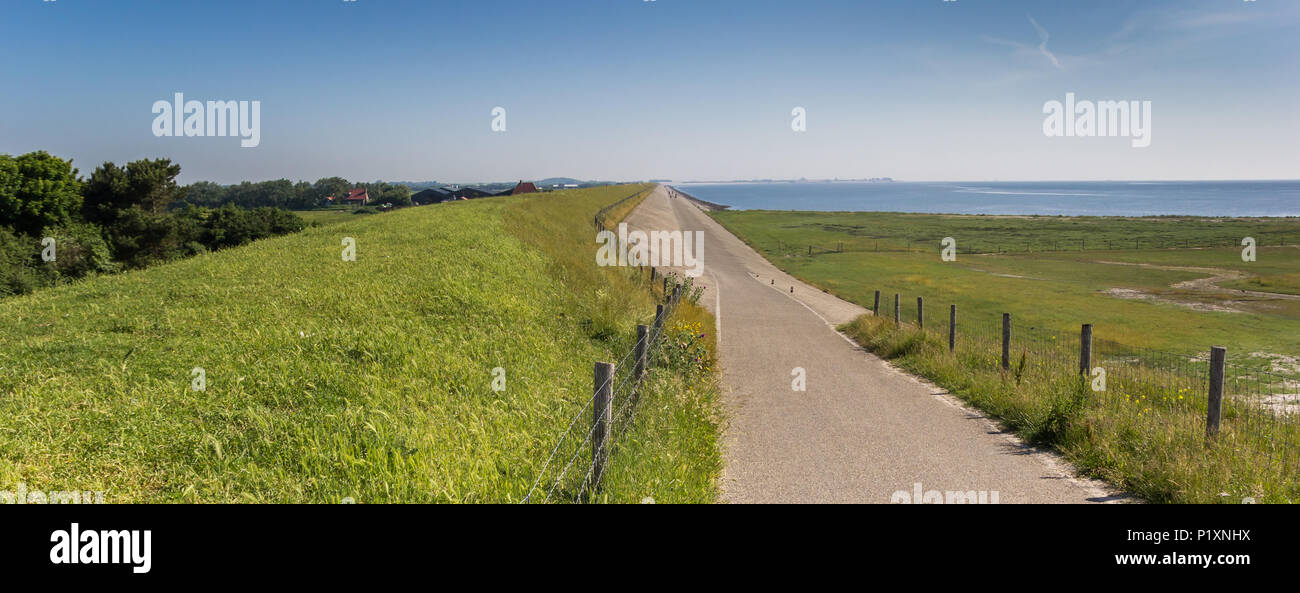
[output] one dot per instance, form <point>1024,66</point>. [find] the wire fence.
<point>1167,397</point>
<point>599,218</point>
<point>574,468</point>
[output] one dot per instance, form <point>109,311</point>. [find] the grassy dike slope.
<point>329,379</point>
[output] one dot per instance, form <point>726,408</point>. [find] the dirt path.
<point>862,431</point>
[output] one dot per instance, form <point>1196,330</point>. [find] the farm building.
<point>433,195</point>
<point>524,187</point>
<point>357,196</point>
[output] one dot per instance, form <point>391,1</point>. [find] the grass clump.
<point>1145,433</point>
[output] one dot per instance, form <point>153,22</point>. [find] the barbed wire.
<point>621,418</point>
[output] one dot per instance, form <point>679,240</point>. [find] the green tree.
<point>149,185</point>
<point>397,195</point>
<point>332,186</point>
<point>131,204</point>
<point>38,190</point>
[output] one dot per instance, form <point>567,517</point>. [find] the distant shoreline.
<point>706,205</point>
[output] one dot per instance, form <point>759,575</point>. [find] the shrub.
<point>80,249</point>
<point>18,272</point>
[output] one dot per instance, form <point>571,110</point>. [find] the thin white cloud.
<point>1042,45</point>
<point>1026,50</point>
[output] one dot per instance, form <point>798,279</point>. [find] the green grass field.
<point>1154,312</point>
<point>328,379</point>
<point>1131,296</point>
<point>327,216</point>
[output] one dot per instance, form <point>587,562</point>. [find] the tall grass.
<point>327,380</point>
<point>672,454</point>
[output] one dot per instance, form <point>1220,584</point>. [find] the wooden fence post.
<point>602,418</point>
<point>677,294</point>
<point>642,347</point>
<point>1006,341</point>
<point>896,318</point>
<point>875,309</point>
<point>658,326</point>
<point>920,313</point>
<point>952,328</point>
<point>1085,350</point>
<point>1218,359</point>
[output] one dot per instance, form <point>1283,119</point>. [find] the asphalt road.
<point>862,430</point>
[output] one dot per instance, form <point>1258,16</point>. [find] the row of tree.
<point>54,225</point>
<point>282,193</point>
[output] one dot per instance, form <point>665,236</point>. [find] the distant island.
<point>802,180</point>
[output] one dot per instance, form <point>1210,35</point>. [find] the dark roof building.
<point>433,195</point>
<point>469,192</point>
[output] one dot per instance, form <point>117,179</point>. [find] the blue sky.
<point>677,89</point>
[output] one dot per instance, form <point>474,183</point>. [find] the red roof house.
<point>358,196</point>
<point>524,187</point>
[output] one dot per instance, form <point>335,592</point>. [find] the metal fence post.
<point>602,418</point>
<point>952,328</point>
<point>875,309</point>
<point>1006,341</point>
<point>920,313</point>
<point>1085,350</point>
<point>1218,359</point>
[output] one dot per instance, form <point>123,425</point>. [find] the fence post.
<point>1006,341</point>
<point>952,328</point>
<point>1085,350</point>
<point>658,326</point>
<point>642,347</point>
<point>920,313</point>
<point>1218,357</point>
<point>875,309</point>
<point>665,287</point>
<point>677,294</point>
<point>896,318</point>
<point>603,394</point>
